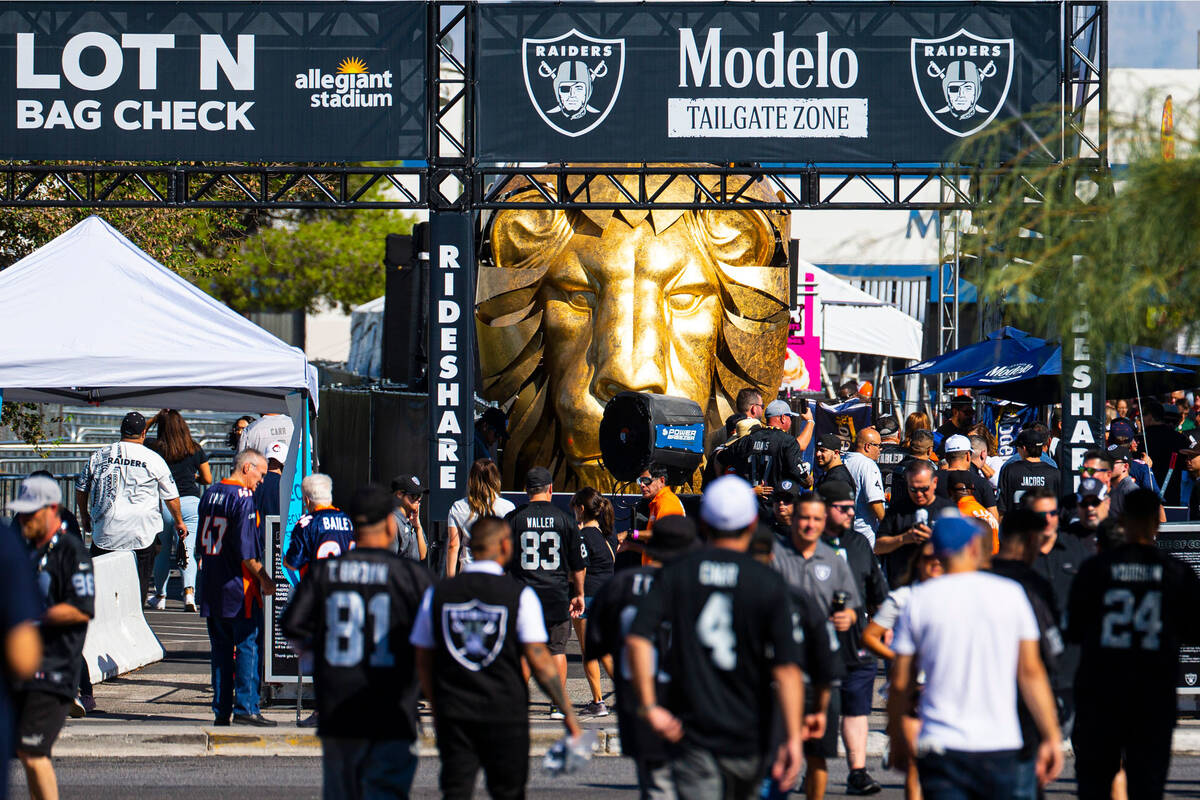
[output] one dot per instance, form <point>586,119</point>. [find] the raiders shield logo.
<point>1190,679</point>
<point>573,80</point>
<point>962,80</point>
<point>474,632</point>
<point>822,571</point>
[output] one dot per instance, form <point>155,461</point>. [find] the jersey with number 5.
<point>356,612</point>
<point>731,622</point>
<point>547,548</point>
<point>1130,610</point>
<point>228,535</point>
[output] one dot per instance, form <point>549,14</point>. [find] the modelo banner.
<point>146,81</point>
<point>790,82</point>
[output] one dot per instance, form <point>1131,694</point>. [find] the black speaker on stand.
<point>406,284</point>
<point>639,428</point>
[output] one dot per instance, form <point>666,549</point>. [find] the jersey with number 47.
<point>228,531</point>
<point>547,548</point>
<point>731,622</point>
<point>356,613</point>
<point>1130,610</point>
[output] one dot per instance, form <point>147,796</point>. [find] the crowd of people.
<point>743,644</point>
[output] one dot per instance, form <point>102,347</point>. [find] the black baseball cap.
<point>1030,437</point>
<point>134,424</point>
<point>962,401</point>
<point>787,491</point>
<point>409,484</point>
<point>672,536</point>
<point>370,504</point>
<point>538,478</point>
<point>830,441</point>
<point>887,424</point>
<point>835,492</point>
<point>1118,452</point>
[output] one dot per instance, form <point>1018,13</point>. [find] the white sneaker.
<point>156,603</point>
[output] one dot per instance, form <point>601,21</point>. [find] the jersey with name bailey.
<point>325,533</point>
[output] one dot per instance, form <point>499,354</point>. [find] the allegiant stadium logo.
<point>351,86</point>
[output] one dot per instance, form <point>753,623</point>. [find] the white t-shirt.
<point>125,482</point>
<point>460,517</point>
<point>868,488</point>
<point>891,608</point>
<point>965,631</point>
<point>262,433</point>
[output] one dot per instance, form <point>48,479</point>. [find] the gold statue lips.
<point>573,307</point>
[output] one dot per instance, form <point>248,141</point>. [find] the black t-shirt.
<point>184,472</point>
<point>839,473</point>
<point>1130,610</point>
<point>547,548</point>
<point>765,455</point>
<point>1194,506</point>
<point>984,492</point>
<point>609,620</point>
<point>1020,476</point>
<point>1163,441</point>
<point>896,522</point>
<point>64,575</point>
<point>731,622</point>
<point>599,555</point>
<point>357,611</point>
<point>890,456</point>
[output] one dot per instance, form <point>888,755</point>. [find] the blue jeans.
<point>235,680</point>
<point>366,769</point>
<point>957,775</point>
<point>190,508</point>
<point>1027,785</point>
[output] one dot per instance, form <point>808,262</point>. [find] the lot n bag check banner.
<point>792,82</point>
<point>138,81</point>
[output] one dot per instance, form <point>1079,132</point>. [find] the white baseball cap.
<point>35,493</point>
<point>277,450</point>
<point>957,444</point>
<point>728,504</point>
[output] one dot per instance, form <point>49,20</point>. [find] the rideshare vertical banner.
<point>451,357</point>
<point>1083,376</point>
<point>231,81</point>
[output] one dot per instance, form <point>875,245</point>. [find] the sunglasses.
<point>644,481</point>
<point>1047,514</point>
<point>1091,503</point>
<point>1093,470</point>
<point>845,508</point>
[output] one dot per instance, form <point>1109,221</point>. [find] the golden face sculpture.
<point>574,307</point>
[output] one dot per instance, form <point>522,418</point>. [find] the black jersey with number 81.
<point>1130,610</point>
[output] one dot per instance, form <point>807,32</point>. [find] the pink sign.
<point>802,365</point>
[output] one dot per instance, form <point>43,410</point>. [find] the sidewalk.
<point>165,710</point>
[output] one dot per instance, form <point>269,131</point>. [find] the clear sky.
<point>1144,33</point>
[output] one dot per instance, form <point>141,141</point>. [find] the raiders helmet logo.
<point>1190,679</point>
<point>962,80</point>
<point>474,632</point>
<point>573,80</point>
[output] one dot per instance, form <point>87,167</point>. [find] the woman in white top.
<point>924,566</point>
<point>483,499</point>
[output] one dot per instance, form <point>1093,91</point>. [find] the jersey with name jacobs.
<point>357,611</point>
<point>731,622</point>
<point>1021,476</point>
<point>547,548</point>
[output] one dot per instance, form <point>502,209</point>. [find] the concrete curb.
<point>124,740</point>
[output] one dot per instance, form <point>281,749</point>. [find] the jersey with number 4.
<point>1130,610</point>
<point>731,622</point>
<point>357,612</point>
<point>228,531</point>
<point>547,548</point>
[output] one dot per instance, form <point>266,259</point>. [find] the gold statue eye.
<point>581,300</point>
<point>684,302</point>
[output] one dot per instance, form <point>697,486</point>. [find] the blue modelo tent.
<point>1000,347</point>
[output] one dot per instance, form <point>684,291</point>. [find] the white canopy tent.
<point>853,321</point>
<point>90,318</point>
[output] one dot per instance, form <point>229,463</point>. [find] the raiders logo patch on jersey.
<point>474,632</point>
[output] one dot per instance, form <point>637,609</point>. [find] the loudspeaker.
<point>638,428</point>
<point>406,284</point>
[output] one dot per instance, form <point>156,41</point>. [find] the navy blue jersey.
<point>228,536</point>
<point>325,533</point>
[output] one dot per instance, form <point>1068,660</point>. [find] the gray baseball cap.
<point>35,493</point>
<point>779,408</point>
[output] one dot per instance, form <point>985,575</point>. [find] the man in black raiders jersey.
<point>68,589</point>
<point>1027,472</point>
<point>1130,610</point>
<point>733,633</point>
<point>471,635</point>
<point>549,557</point>
<point>610,618</point>
<point>355,613</point>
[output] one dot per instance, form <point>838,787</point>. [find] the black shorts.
<point>856,690</point>
<point>559,633</point>
<point>827,745</point>
<point>40,718</point>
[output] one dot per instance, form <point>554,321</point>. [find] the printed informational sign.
<point>1182,540</point>
<point>281,663</point>
<point>789,82</point>
<point>452,358</point>
<point>139,81</point>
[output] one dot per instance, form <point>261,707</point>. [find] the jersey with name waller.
<point>547,548</point>
<point>325,533</point>
<point>731,622</point>
<point>358,611</point>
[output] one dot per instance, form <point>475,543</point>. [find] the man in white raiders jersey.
<point>355,613</point>
<point>472,632</point>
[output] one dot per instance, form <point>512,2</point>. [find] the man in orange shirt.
<point>663,502</point>
<point>962,492</point>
